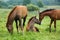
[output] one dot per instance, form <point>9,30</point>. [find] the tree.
<point>39,3</point>
<point>25,2</point>
<point>3,4</point>
<point>58,2</point>
<point>15,2</point>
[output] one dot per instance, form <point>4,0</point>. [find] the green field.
<point>44,33</point>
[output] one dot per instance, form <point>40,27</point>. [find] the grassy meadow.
<point>44,33</point>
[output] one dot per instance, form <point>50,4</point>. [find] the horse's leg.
<point>16,24</point>
<point>24,19</point>
<point>20,24</point>
<point>35,29</point>
<point>55,24</point>
<point>51,24</point>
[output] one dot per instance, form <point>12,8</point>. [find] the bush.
<point>10,6</point>
<point>40,4</point>
<point>32,7</point>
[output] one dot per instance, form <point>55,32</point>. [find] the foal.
<point>30,25</point>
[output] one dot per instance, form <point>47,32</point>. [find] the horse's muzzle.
<point>40,23</point>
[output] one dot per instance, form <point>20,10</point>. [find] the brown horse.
<point>31,22</point>
<point>54,15</point>
<point>17,14</point>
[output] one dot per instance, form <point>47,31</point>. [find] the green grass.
<point>44,33</point>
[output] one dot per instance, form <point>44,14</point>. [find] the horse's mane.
<point>30,19</point>
<point>47,10</point>
<point>12,11</point>
<point>10,14</point>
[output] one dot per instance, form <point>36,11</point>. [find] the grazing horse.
<point>30,25</point>
<point>17,14</point>
<point>54,15</point>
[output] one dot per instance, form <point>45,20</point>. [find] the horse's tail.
<point>37,29</point>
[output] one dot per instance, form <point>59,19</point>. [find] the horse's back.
<point>56,14</point>
<point>21,11</point>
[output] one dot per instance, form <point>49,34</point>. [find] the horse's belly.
<point>58,17</point>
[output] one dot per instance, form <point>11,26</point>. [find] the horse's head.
<point>44,13</point>
<point>9,28</point>
<point>36,20</point>
<point>41,16</point>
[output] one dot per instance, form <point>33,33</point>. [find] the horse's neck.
<point>46,14</point>
<point>9,21</point>
<point>31,23</point>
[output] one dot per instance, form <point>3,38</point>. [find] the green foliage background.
<point>12,3</point>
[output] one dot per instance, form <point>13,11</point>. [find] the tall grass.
<point>44,33</point>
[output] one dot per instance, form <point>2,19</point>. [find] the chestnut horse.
<point>30,25</point>
<point>54,15</point>
<point>17,14</point>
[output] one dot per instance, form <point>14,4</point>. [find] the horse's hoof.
<point>54,30</point>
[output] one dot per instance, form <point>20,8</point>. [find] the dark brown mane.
<point>30,19</point>
<point>47,10</point>
<point>12,11</point>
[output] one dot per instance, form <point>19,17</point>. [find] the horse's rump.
<point>21,11</point>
